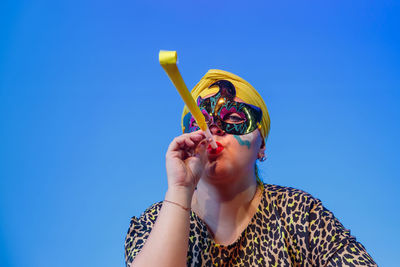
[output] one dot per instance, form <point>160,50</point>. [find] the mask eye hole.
<point>193,122</point>
<point>234,118</point>
<point>207,116</point>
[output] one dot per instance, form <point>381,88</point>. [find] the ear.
<point>263,144</point>
<point>261,152</point>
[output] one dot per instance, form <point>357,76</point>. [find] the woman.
<point>217,212</point>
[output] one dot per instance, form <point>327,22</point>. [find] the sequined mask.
<point>223,111</point>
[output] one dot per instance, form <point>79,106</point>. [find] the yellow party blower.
<point>168,62</point>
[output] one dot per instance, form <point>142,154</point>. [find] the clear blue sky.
<point>86,113</point>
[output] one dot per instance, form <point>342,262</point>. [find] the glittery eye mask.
<point>223,111</point>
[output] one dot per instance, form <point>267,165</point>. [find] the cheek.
<point>248,140</point>
<point>246,147</point>
<point>242,141</point>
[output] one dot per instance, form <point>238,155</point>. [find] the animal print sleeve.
<point>138,232</point>
<point>331,244</point>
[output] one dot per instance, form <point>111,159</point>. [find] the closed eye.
<point>207,117</point>
<point>234,118</point>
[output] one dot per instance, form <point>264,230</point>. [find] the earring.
<point>262,158</point>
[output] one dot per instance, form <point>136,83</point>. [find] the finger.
<point>197,138</point>
<point>199,132</point>
<point>181,142</point>
<point>186,144</point>
<point>179,154</point>
<point>194,141</point>
<point>201,148</point>
<point>186,140</point>
<point>189,143</point>
<point>177,143</point>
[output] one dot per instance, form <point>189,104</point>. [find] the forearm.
<point>167,243</point>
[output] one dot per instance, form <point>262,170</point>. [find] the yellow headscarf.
<point>244,91</point>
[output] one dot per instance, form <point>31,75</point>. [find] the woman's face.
<point>234,125</point>
<point>240,152</point>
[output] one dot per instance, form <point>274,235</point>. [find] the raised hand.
<point>185,160</point>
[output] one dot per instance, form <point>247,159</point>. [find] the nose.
<point>215,130</point>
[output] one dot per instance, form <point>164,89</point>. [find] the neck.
<point>241,191</point>
<point>225,206</point>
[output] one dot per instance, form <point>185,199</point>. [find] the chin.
<point>217,173</point>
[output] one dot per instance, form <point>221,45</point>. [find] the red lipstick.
<point>215,151</point>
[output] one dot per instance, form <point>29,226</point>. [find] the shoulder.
<point>292,202</point>
<point>139,230</point>
<point>322,237</point>
<point>148,217</point>
<point>142,225</point>
<point>151,211</point>
<point>284,195</point>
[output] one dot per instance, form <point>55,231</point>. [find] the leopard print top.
<point>290,228</point>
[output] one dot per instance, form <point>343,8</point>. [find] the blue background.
<point>87,113</point>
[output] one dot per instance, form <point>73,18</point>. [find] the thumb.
<point>197,162</point>
<point>201,151</point>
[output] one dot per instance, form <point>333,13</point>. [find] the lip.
<point>216,151</point>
